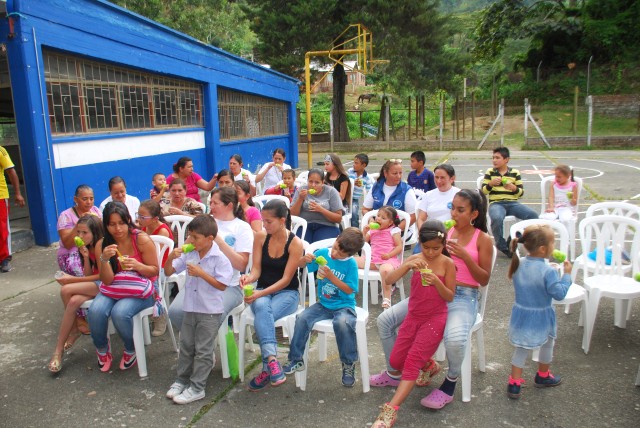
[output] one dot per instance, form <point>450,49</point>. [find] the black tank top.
<point>273,268</point>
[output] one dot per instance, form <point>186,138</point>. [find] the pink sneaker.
<point>383,379</point>
<point>104,361</point>
<point>128,360</point>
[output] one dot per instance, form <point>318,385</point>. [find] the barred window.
<point>90,97</point>
<point>249,116</point>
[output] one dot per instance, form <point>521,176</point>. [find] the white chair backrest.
<point>178,224</point>
<point>562,234</point>
<point>484,291</point>
<point>545,185</point>
<point>163,246</point>
<point>328,243</point>
<point>623,209</point>
<point>479,182</point>
<point>261,200</point>
<point>610,232</point>
<point>203,207</point>
<point>374,176</point>
<point>403,216</point>
<point>298,223</point>
<point>302,178</point>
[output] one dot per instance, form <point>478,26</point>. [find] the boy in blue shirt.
<point>337,285</point>
<point>362,181</point>
<point>420,178</point>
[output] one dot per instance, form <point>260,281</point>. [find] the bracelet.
<point>103,260</point>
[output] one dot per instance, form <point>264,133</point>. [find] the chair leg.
<point>400,285</point>
<point>138,343</point>
<point>594,301</point>
<point>146,331</point>
<point>363,354</point>
<point>222,344</point>
<point>241,338</point>
<point>322,346</point>
<point>465,374</point>
<point>170,326</point>
<point>620,314</point>
<point>301,377</point>
<point>481,356</point>
<point>373,286</point>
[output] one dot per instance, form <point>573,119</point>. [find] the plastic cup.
<point>423,279</point>
<point>59,275</point>
<point>248,289</point>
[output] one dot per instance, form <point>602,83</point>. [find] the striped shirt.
<point>499,193</point>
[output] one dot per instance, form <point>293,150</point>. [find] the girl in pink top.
<point>433,284</point>
<point>563,196</point>
<point>252,214</point>
<point>184,169</point>
<point>386,246</point>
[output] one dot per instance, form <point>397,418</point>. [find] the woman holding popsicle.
<point>563,196</point>
<point>433,284</point>
<point>384,235</point>
<point>235,239</point>
<point>123,248</point>
<point>272,172</point>
<point>183,169</point>
<point>320,205</point>
<point>77,290</point>
<point>241,174</point>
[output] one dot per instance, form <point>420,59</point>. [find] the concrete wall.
<point>610,142</point>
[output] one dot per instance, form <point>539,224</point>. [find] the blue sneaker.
<point>293,366</point>
<point>259,382</point>
<point>543,382</point>
<point>513,391</point>
<point>276,375</point>
<point>348,374</point>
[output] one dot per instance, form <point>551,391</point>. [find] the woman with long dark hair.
<point>183,169</point>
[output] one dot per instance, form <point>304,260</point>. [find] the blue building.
<point>98,91</point>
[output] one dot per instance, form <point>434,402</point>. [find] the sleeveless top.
<point>156,232</point>
<point>273,268</point>
<point>425,302</point>
<point>463,276</point>
<point>137,255</point>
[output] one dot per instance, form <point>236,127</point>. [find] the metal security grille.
<point>90,97</point>
<point>250,116</point>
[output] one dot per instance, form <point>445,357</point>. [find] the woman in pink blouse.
<point>251,213</point>
<point>183,169</point>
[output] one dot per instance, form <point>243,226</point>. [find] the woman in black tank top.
<point>276,254</point>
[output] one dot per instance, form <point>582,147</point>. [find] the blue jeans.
<point>463,310</point>
<point>267,310</point>
<point>389,322</point>
<point>121,313</point>
<point>355,213</point>
<point>499,210</point>
<point>318,232</point>
<point>344,327</point>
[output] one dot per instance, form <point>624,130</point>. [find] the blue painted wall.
<point>104,32</point>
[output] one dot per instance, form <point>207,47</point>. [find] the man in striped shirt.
<point>503,187</point>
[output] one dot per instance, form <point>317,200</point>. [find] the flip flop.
<point>55,365</point>
<point>386,303</point>
<point>436,400</point>
<point>383,379</point>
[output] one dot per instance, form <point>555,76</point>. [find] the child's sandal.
<point>386,303</point>
<point>55,365</point>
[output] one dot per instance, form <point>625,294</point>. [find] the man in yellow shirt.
<point>6,165</point>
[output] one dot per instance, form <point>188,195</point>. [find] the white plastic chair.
<point>164,245</point>
<point>374,276</point>
<point>325,327</point>
<point>222,338</point>
<point>261,200</point>
<point>346,217</point>
<point>576,293</point>
<point>302,178</point>
<point>617,208</point>
<point>602,280</point>
<point>178,225</point>
<point>545,184</point>
<point>413,238</point>
<point>298,223</point>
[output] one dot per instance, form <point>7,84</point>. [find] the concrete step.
<point>21,239</point>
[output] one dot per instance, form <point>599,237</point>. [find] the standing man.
<point>6,165</point>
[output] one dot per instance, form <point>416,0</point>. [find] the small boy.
<point>420,178</point>
<point>503,185</point>
<point>160,188</point>
<point>362,181</point>
<point>287,187</point>
<point>209,273</point>
<point>337,285</point>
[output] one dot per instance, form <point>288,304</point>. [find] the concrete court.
<point>597,390</point>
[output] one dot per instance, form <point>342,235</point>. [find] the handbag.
<point>128,283</point>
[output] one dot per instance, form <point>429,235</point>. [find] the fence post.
<point>417,114</point>
<point>473,115</point>
<point>361,130</point>
<point>526,121</point>
<point>424,116</point>
<point>574,124</point>
<point>457,122</point>
<point>589,119</point>
<point>441,120</point>
<point>331,137</point>
<point>409,119</point>
<point>501,112</point>
<point>464,115</point>
<point>387,114</point>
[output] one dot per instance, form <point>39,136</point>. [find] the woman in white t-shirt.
<point>436,203</point>
<point>118,191</point>
<point>235,239</point>
<point>239,173</point>
<point>271,172</point>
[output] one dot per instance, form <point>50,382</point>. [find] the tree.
<point>410,33</point>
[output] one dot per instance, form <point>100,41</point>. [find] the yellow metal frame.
<point>363,41</point>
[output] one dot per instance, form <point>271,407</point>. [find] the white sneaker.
<point>188,396</point>
<point>175,389</point>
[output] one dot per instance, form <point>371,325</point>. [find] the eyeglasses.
<point>143,217</point>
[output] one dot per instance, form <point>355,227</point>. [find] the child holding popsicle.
<point>563,196</point>
<point>209,272</point>
<point>286,187</point>
<point>433,284</point>
<point>337,285</point>
<point>160,189</point>
<point>384,235</point>
<point>533,319</point>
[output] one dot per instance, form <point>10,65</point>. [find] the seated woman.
<point>235,239</point>
<point>320,205</point>
<point>251,213</point>
<point>241,174</point>
<point>336,176</point>
<point>225,178</point>
<point>118,191</point>
<point>77,290</point>
<point>180,203</point>
<point>123,249</point>
<point>183,169</point>
<point>271,173</point>
<point>276,253</point>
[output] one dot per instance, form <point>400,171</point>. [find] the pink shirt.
<point>67,220</point>
<point>252,214</point>
<point>192,188</point>
<point>463,276</point>
<point>382,243</point>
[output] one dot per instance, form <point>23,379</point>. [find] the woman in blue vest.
<point>391,190</point>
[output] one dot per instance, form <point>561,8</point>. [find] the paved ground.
<point>597,391</point>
